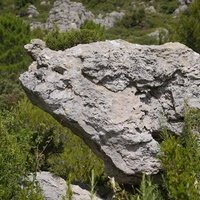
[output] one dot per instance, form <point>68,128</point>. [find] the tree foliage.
<point>13,58</point>
<point>180,160</point>
<point>35,141</point>
<point>188,28</point>
<point>133,18</point>
<point>14,6</point>
<point>15,161</point>
<point>14,34</point>
<point>77,161</point>
<point>90,32</point>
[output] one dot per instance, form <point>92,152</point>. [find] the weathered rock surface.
<point>116,96</point>
<point>55,188</point>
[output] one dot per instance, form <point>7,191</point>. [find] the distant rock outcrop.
<point>116,96</point>
<point>182,6</point>
<point>160,34</point>
<point>32,11</point>
<point>68,15</point>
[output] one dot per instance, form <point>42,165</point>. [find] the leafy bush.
<point>13,58</point>
<point>47,145</point>
<point>46,136</point>
<point>21,3</point>
<point>180,160</point>
<point>77,160</point>
<point>188,27</point>
<point>90,32</point>
<point>15,162</point>
<point>148,190</point>
<point>102,6</point>
<point>167,6</point>
<point>132,18</point>
<point>14,35</point>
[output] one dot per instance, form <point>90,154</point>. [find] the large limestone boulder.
<point>117,97</point>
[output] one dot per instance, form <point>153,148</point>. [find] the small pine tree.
<point>14,162</point>
<point>14,34</point>
<point>188,28</point>
<point>180,160</point>
<point>90,32</point>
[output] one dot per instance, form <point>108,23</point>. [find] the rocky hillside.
<point>143,22</point>
<point>139,21</point>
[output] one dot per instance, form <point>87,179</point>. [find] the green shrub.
<point>14,35</point>
<point>102,6</point>
<point>90,32</point>
<point>180,160</point>
<point>168,6</point>
<point>46,135</point>
<point>50,146</point>
<point>148,190</point>
<point>15,161</point>
<point>77,160</point>
<point>13,58</point>
<point>188,27</point>
<point>133,18</point>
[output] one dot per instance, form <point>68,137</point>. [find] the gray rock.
<point>109,20</point>
<point>67,15</point>
<point>45,3</point>
<point>185,2</point>
<point>35,47</point>
<point>183,5</point>
<point>180,9</point>
<point>32,11</point>
<point>55,188</point>
<point>117,97</point>
<point>150,9</point>
<point>35,25</point>
<point>160,34</point>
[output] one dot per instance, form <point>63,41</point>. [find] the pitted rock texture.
<point>117,97</point>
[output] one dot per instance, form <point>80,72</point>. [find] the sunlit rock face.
<point>117,97</point>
